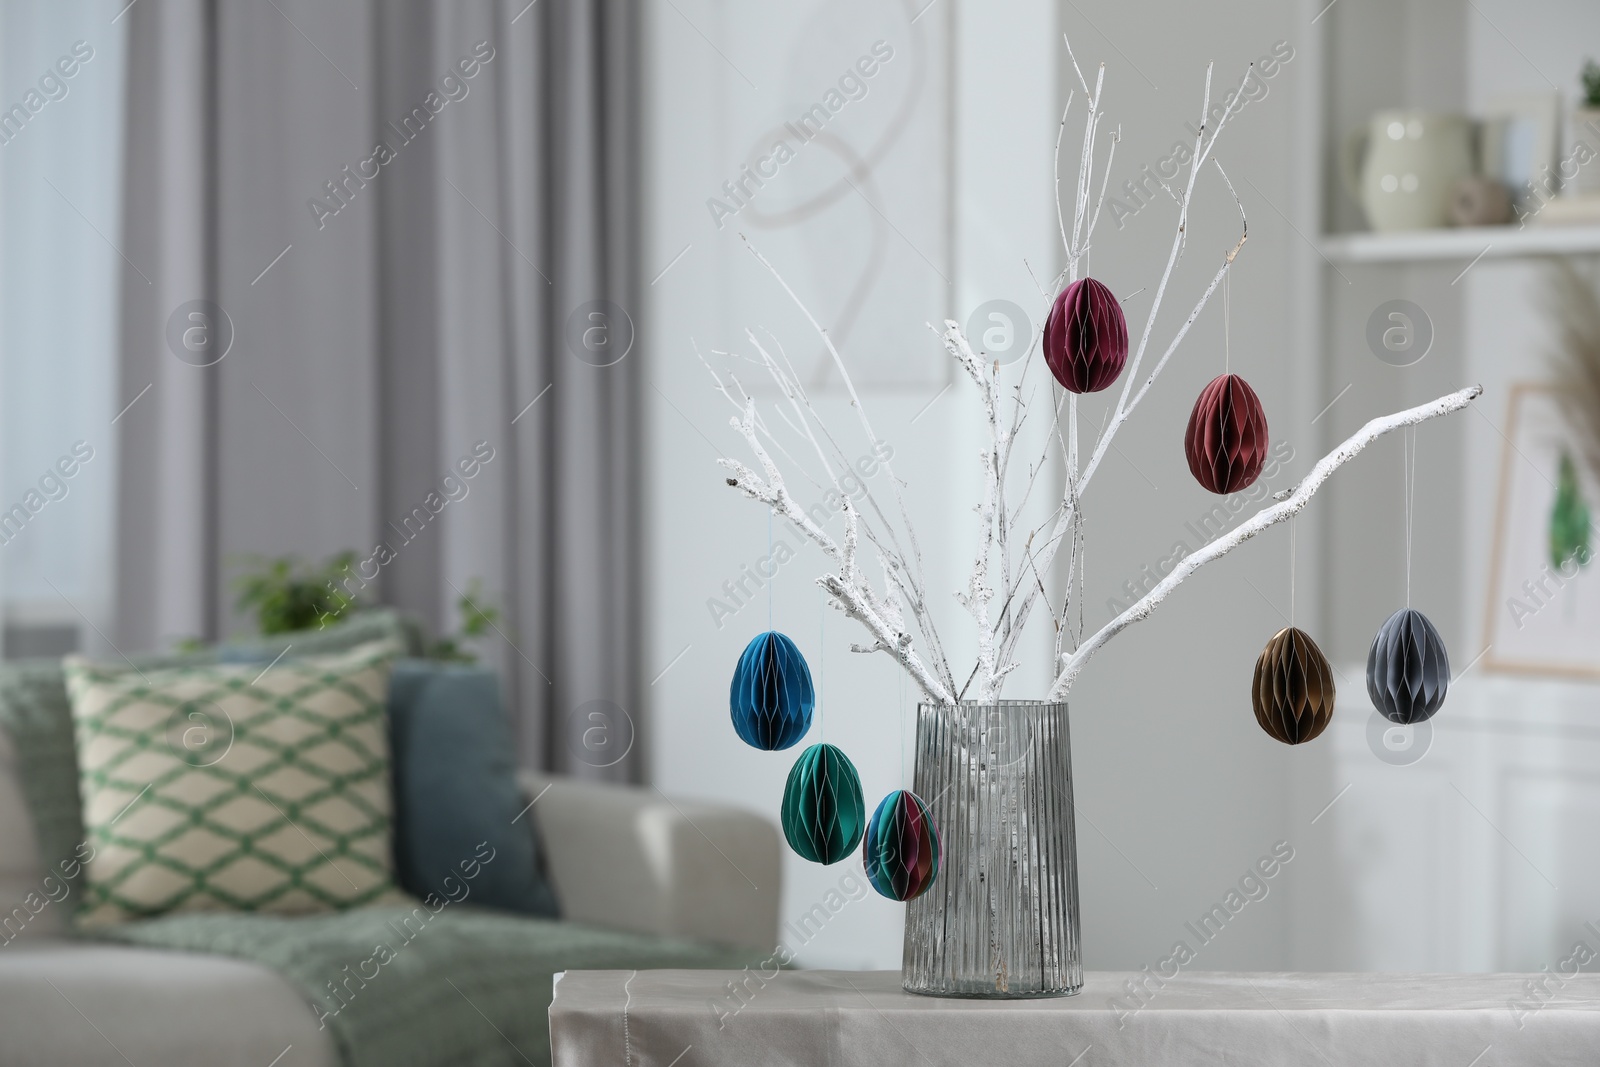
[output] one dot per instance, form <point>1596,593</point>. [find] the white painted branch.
<point>1128,400</point>
<point>1125,402</point>
<point>991,511</point>
<point>848,588</point>
<point>1072,665</point>
<point>1122,416</point>
<point>739,406</point>
<point>1085,174</point>
<point>1105,180</point>
<point>901,578</point>
<point>1074,57</point>
<point>1061,222</point>
<point>1000,624</point>
<point>914,563</point>
<point>1179,239</point>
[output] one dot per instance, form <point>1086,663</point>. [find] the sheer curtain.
<point>388,216</point>
<point>61,82</point>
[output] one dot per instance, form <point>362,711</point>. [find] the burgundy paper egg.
<point>1227,437</point>
<point>1086,337</point>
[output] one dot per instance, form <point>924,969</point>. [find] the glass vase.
<point>1001,919</point>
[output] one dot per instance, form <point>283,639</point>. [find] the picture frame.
<point>1518,143</point>
<point>1540,617</point>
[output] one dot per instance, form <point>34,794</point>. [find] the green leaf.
<point>286,595</point>
<point>479,615</point>
<point>1569,519</point>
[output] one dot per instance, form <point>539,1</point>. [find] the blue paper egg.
<point>824,814</point>
<point>772,697</point>
<point>901,853</point>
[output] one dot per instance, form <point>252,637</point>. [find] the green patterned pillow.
<point>230,787</point>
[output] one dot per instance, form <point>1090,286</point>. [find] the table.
<point>814,1018</point>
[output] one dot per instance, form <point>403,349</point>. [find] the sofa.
<point>663,872</point>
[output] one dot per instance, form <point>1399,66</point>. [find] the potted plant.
<point>285,594</point>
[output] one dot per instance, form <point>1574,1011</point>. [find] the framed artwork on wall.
<point>1543,611</point>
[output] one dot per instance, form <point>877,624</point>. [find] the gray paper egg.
<point>1408,669</point>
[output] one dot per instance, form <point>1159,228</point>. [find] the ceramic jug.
<point>1404,166</point>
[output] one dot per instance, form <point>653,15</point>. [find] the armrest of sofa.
<point>634,859</point>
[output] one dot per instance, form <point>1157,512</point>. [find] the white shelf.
<point>1489,242</point>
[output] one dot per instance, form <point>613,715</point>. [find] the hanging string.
<point>902,675</point>
<point>1410,522</point>
<point>1405,501</point>
<point>822,666</point>
<point>1227,327</point>
<point>1408,473</point>
<point>1291,569</point>
<point>770,582</point>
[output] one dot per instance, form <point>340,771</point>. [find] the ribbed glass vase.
<point>1001,918</point>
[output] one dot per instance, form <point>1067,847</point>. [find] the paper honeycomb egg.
<point>901,852</point>
<point>1226,442</point>
<point>772,696</point>
<point>824,815</point>
<point>1293,688</point>
<point>1408,669</point>
<point>1086,337</point>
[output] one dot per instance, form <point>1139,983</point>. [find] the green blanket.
<point>465,987</point>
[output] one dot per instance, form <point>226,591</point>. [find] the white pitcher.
<point>1403,167</point>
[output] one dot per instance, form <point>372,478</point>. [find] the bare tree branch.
<point>1296,501</point>
<point>1001,590</point>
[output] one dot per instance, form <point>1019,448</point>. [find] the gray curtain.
<point>166,564</point>
<point>421,300</point>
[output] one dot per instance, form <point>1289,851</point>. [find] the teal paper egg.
<point>824,814</point>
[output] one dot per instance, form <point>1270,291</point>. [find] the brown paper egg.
<point>1226,442</point>
<point>1086,337</point>
<point>1293,688</point>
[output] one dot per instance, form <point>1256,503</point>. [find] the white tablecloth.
<point>815,1018</point>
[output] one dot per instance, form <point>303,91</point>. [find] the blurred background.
<point>270,271</point>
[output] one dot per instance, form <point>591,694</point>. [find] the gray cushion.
<point>455,789</point>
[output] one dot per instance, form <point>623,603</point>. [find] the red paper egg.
<point>1227,437</point>
<point>1086,337</point>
